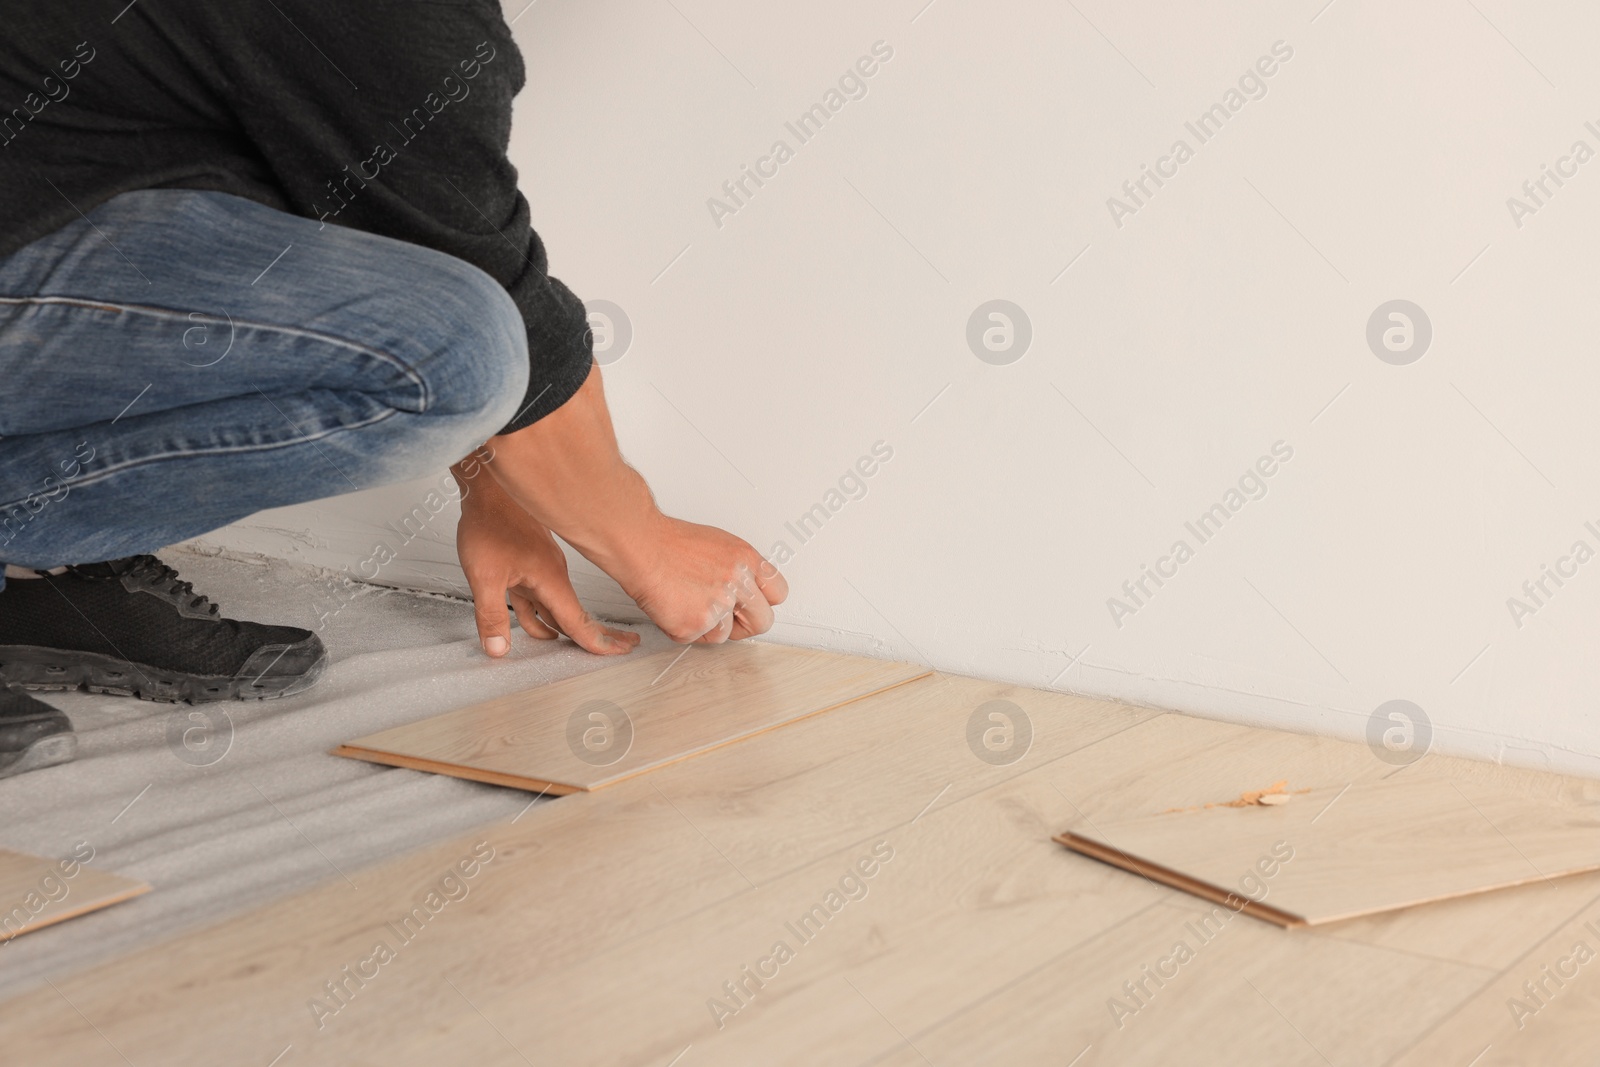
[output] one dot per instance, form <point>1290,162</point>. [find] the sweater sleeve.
<point>394,116</point>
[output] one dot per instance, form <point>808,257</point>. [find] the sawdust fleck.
<point>1274,794</point>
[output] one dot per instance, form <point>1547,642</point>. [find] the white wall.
<point>1228,313</point>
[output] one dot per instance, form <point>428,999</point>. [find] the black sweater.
<point>390,116</point>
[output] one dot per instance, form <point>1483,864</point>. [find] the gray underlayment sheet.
<point>276,813</point>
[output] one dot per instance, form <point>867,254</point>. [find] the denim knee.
<point>480,370</point>
<point>459,336</point>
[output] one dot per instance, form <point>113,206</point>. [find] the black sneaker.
<point>32,733</point>
<point>131,627</point>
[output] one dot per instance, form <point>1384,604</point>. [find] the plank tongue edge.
<point>456,770</point>
<point>1177,880</point>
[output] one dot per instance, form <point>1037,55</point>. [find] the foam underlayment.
<point>276,813</point>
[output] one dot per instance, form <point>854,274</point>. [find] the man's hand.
<point>505,550</point>
<point>697,583</point>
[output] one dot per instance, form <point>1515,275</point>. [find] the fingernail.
<point>496,646</point>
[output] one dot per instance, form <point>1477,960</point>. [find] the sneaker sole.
<point>35,668</point>
<point>45,752</point>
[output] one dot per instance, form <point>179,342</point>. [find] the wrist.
<point>620,531</point>
<point>478,491</point>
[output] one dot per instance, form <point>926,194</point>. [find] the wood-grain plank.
<point>1489,930</point>
<point>598,729</point>
<point>36,892</point>
<point>1334,854</point>
<point>1246,994</point>
<point>1539,1009</point>
<point>778,805</point>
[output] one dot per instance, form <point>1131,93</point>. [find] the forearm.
<point>564,473</point>
<point>568,473</point>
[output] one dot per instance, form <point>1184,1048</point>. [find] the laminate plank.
<point>1335,854</point>
<point>598,729</point>
<point>1495,929</point>
<point>1488,930</point>
<point>36,892</point>
<point>778,805</point>
<point>1177,762</point>
<point>1246,994</point>
<point>1540,1009</point>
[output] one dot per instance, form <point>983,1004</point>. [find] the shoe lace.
<point>150,573</point>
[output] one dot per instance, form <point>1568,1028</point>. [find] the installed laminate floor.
<point>874,885</point>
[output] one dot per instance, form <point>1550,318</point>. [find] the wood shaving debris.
<point>1274,794</point>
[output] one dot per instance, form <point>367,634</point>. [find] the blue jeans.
<point>176,360</point>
